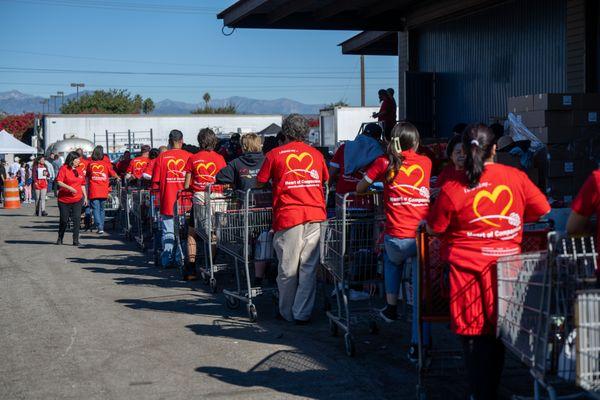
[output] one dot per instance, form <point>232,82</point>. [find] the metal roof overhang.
<point>372,44</point>
<point>358,15</point>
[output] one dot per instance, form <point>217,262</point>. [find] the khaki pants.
<point>297,249</point>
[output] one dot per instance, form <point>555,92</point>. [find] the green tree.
<point>114,101</point>
<point>340,103</point>
<point>206,98</point>
<point>226,109</point>
<point>148,106</point>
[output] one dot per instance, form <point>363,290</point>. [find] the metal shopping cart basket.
<point>112,205</point>
<point>155,231</point>
<point>181,213</point>
<point>215,198</point>
<point>536,293</point>
<point>126,206</point>
<point>433,300</point>
<point>587,328</point>
<point>351,253</point>
<point>243,231</point>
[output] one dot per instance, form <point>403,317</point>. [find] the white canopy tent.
<point>10,145</point>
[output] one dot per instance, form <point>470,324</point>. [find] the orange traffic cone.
<point>11,194</point>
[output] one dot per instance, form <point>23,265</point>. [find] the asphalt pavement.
<point>102,322</point>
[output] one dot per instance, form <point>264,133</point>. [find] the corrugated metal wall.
<point>480,60</point>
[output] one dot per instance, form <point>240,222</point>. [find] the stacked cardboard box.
<point>569,125</point>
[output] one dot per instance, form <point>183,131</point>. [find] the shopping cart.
<point>351,255</point>
<point>140,217</point>
<point>433,300</point>
<point>181,213</point>
<point>112,205</point>
<point>243,232</point>
<point>155,231</point>
<point>536,293</point>
<point>215,198</point>
<point>125,212</point>
<point>587,326</point>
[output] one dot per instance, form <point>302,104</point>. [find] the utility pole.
<point>362,81</point>
<point>77,85</point>
<point>43,103</point>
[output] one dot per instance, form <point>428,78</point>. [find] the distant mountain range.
<point>15,102</point>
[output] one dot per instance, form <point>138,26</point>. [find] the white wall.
<point>57,126</point>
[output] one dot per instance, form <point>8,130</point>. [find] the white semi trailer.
<point>339,124</point>
<point>117,132</point>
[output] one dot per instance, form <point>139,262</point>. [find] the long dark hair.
<point>404,136</point>
<point>73,155</point>
<point>39,158</point>
<point>98,153</point>
<point>478,143</point>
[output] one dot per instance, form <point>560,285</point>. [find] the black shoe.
<point>279,317</point>
<point>389,314</point>
<point>44,214</point>
<point>76,243</point>
<point>59,241</point>
<point>302,322</point>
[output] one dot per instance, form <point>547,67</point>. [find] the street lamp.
<point>62,98</point>
<point>77,85</point>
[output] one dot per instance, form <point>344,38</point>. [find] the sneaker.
<point>302,322</point>
<point>44,214</point>
<point>388,315</point>
<point>100,232</point>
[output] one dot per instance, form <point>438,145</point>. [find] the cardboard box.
<point>565,168</point>
<point>590,101</point>
<point>586,117</point>
<point>556,134</point>
<point>508,159</point>
<point>556,101</point>
<point>520,103</point>
<point>537,119</point>
<point>560,151</point>
<point>562,186</point>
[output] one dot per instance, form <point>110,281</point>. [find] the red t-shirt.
<point>122,166</point>
<point>449,173</point>
<point>73,178</point>
<point>480,225</point>
<point>39,184</point>
<point>169,177</point>
<point>297,172</point>
<point>389,114</point>
<point>406,199</point>
<point>345,183</point>
<point>98,173</point>
<point>203,166</point>
<point>147,174</point>
<point>137,166</point>
<point>82,167</point>
<point>587,201</point>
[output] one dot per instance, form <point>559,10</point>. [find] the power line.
<point>307,75</point>
<point>198,87</point>
<point>221,66</point>
<point>117,6</point>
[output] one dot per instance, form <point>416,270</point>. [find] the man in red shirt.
<point>168,177</point>
<point>585,205</point>
<point>123,163</point>
<point>387,112</point>
<point>297,172</point>
<point>136,167</point>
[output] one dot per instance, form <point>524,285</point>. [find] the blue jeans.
<point>169,256</point>
<point>398,253</point>
<point>98,212</point>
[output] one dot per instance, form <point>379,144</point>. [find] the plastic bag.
<point>515,128</point>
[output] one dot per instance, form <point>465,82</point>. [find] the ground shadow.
<point>29,242</point>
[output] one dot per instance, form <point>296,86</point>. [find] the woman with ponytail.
<point>405,176</point>
<point>480,218</point>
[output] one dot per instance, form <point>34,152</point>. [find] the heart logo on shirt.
<point>208,169</point>
<point>98,169</point>
<point>415,175</point>
<point>493,197</point>
<point>140,165</point>
<point>176,166</point>
<point>299,163</point>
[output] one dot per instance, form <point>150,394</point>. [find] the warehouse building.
<point>459,60</point>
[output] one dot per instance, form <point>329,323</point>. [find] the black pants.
<point>484,357</point>
<point>66,210</point>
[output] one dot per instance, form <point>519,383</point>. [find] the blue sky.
<point>85,37</point>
